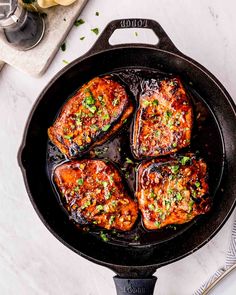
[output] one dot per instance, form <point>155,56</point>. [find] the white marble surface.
<point>32,261</point>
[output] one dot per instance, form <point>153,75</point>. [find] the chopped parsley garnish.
<point>99,207</point>
<point>114,203</point>
<point>194,194</point>
<point>79,22</point>
<point>107,195</point>
<point>136,34</point>
<point>92,109</point>
<point>112,219</point>
<point>197,184</point>
<point>94,127</point>
<point>82,38</point>
<point>172,83</point>
<point>106,127</point>
<point>104,237</point>
<point>97,13</point>
<point>174,169</point>
<point>86,204</point>
<point>174,144</point>
<point>170,191</point>
<point>155,102</point>
<point>168,114</point>
<point>115,101</point>
<point>105,183</point>
<point>63,47</point>
<point>80,181</point>
<point>127,175</point>
<point>111,178</point>
<point>167,205</point>
<point>65,61</point>
<point>143,148</point>
<point>95,31</point>
<point>152,195</point>
<point>90,115</point>
<point>157,133</point>
<point>136,237</point>
<point>105,117</point>
<point>129,161</point>
<point>68,137</point>
<point>184,160</point>
<point>171,177</point>
<point>146,103</point>
<point>151,207</point>
<point>157,224</point>
<point>178,196</point>
<point>190,205</point>
<point>89,100</point>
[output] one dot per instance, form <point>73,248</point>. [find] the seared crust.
<point>172,191</point>
<point>91,116</point>
<point>92,190</point>
<point>164,119</point>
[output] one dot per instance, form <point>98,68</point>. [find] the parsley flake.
<point>184,160</point>
<point>174,169</point>
<point>104,237</point>
<point>178,196</point>
<point>95,31</point>
<point>99,207</point>
<point>157,224</point>
<point>86,204</point>
<point>63,46</point>
<point>129,161</point>
<point>106,127</point>
<point>151,207</point>
<point>68,137</point>
<point>80,181</point>
<point>111,219</point>
<point>105,183</point>
<point>79,22</point>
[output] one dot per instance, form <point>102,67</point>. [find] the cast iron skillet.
<point>133,264</point>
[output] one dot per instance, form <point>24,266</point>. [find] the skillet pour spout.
<point>134,264</point>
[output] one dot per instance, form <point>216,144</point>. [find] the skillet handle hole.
<point>133,35</point>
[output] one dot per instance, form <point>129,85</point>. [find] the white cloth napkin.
<point>230,261</point>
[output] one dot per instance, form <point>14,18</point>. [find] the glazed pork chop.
<point>164,119</point>
<point>91,116</point>
<point>172,191</point>
<point>92,192</point>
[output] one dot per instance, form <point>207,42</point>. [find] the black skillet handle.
<point>164,42</point>
<point>144,286</point>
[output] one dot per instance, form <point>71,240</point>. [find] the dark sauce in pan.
<point>206,142</point>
